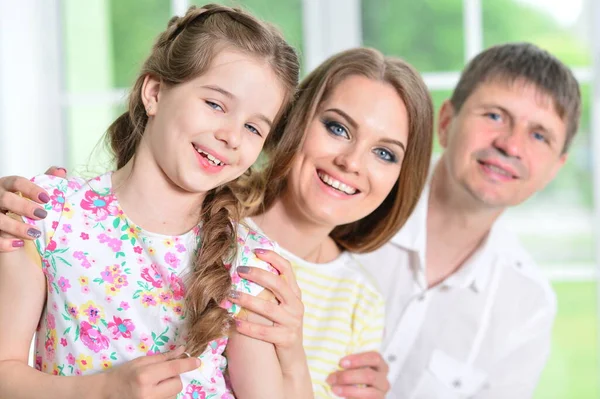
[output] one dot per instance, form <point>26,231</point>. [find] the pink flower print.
<point>55,306</point>
<point>38,363</point>
<point>121,328</point>
<point>86,264</point>
<point>108,299</point>
<point>172,260</point>
<point>194,391</point>
<point>49,347</point>
<point>227,395</point>
<point>79,255</point>
<point>92,312</point>
<point>140,260</point>
<point>100,206</point>
<point>152,275</point>
<point>113,243</point>
<point>71,359</point>
<point>137,249</point>
<point>180,248</point>
<point>166,319</point>
<point>146,339</point>
<point>73,311</point>
<point>63,342</point>
<point>107,275</point>
<point>57,200</point>
<point>67,228</point>
<point>124,305</point>
<point>74,184</point>
<point>165,297</point>
<point>51,246</point>
<point>178,309</point>
<point>130,348</point>
<point>177,287</point>
<point>148,300</point>
<point>92,338</point>
<point>64,284</point>
<point>64,241</point>
<point>54,225</point>
<point>50,321</point>
<point>78,372</point>
<point>85,289</point>
<point>121,281</point>
<point>104,357</point>
<point>84,236</point>
<point>235,278</point>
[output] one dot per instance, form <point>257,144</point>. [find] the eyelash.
<point>251,128</point>
<point>377,151</point>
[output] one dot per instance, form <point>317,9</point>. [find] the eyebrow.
<point>355,126</point>
<point>227,94</point>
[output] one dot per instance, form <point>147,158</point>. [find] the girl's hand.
<point>22,205</point>
<point>148,377</point>
<point>287,316</point>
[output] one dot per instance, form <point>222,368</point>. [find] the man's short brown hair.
<point>524,61</point>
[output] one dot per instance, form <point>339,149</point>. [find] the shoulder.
<point>355,270</point>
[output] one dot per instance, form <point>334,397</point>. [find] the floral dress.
<point>116,292</point>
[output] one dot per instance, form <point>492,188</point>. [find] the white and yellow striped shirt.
<point>343,314</point>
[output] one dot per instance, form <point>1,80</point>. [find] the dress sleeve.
<point>248,240</point>
<point>369,321</point>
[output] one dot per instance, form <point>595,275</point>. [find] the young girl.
<point>135,262</point>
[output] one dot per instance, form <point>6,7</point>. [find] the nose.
<point>230,134</point>
<point>350,161</point>
<point>510,142</point>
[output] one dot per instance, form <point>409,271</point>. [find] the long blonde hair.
<point>374,230</point>
<point>182,52</point>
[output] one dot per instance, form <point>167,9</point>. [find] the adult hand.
<point>149,377</point>
<point>287,315</point>
<point>364,376</point>
<point>25,204</point>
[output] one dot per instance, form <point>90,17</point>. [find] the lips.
<point>499,168</point>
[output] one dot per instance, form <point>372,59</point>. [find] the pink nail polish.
<point>260,251</point>
<point>18,243</point>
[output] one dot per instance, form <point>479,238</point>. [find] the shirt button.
<point>421,298</point>
<point>391,358</point>
<point>456,383</point>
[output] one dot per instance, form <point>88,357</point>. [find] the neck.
<point>308,240</point>
<point>456,225</point>
<point>151,200</point>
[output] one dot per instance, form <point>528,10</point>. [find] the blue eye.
<point>252,129</point>
<point>385,155</point>
<point>214,106</point>
<point>494,116</point>
<point>336,129</point>
<point>539,136</point>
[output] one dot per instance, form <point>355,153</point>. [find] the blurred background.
<point>66,65</point>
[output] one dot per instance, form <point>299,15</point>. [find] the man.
<point>468,314</point>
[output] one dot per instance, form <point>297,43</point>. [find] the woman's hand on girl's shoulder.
<point>19,195</point>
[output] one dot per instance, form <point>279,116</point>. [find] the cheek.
<point>383,178</point>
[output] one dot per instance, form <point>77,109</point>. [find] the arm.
<point>287,317</point>
<point>253,366</point>
<point>517,374</point>
<point>22,296</point>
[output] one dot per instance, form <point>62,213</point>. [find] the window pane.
<point>558,26</point>
<point>428,34</point>
<point>572,371</point>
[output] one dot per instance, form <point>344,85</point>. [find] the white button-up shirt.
<point>484,332</point>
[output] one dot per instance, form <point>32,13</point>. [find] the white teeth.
<point>338,185</point>
<point>498,170</point>
<point>212,159</point>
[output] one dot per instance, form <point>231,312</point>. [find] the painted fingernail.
<point>234,294</point>
<point>40,213</point>
<point>345,363</point>
<point>238,322</point>
<point>18,243</point>
<point>260,251</point>
<point>34,233</point>
<point>63,169</point>
<point>44,197</point>
<point>243,269</point>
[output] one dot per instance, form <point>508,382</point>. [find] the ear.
<point>445,118</point>
<point>150,94</point>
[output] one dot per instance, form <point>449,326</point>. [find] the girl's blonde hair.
<point>374,230</point>
<point>182,52</point>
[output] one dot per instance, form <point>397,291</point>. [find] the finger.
<point>18,229</point>
<point>169,388</point>
<point>270,310</point>
<point>21,206</point>
<point>56,171</point>
<point>357,392</point>
<point>10,244</point>
<point>27,188</point>
<point>272,282</point>
<point>365,359</point>
<point>171,368</point>
<point>282,265</point>
<point>366,376</point>
<point>271,334</point>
